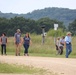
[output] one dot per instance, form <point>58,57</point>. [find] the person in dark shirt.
<point>26,43</point>
<point>3,41</point>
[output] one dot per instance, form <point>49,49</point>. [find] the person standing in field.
<point>3,41</point>
<point>26,43</point>
<point>17,40</point>
<point>62,42</point>
<point>68,44</point>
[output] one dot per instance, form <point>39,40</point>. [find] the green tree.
<point>49,23</point>
<point>26,25</point>
<point>72,27</point>
<point>3,25</point>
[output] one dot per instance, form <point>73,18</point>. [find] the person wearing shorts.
<point>17,40</point>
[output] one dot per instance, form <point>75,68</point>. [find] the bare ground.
<point>61,66</point>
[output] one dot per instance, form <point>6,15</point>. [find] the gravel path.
<point>61,66</point>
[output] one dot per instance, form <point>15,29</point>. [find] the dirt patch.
<point>61,66</point>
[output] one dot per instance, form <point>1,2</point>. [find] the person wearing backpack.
<point>3,41</point>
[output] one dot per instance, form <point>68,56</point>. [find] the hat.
<point>69,33</point>
<point>18,30</point>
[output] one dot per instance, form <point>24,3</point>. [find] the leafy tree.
<point>26,25</point>
<point>62,14</point>
<point>72,27</point>
<point>49,23</point>
<point>3,25</point>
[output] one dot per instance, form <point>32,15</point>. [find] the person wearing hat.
<point>17,40</point>
<point>68,44</point>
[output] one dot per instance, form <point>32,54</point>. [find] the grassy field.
<point>35,49</point>
<point>38,49</point>
<point>21,69</point>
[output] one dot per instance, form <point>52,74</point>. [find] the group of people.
<point>18,41</point>
<point>60,45</point>
<point>26,40</point>
<point>64,42</point>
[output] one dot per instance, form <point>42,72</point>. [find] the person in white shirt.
<point>68,44</point>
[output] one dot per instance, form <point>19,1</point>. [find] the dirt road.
<point>62,66</point>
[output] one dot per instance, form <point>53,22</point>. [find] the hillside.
<point>62,14</point>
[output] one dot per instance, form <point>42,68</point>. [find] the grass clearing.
<point>37,49</point>
<point>21,69</point>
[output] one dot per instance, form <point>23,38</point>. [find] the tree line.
<point>9,26</point>
<point>62,14</point>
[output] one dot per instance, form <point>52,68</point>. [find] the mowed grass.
<point>21,69</point>
<point>38,49</point>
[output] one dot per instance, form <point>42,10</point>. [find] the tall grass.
<point>47,49</point>
<point>38,47</point>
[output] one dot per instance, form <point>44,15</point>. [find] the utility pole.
<point>43,34</point>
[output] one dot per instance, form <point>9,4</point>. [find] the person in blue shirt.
<point>26,43</point>
<point>68,45</point>
<point>17,41</point>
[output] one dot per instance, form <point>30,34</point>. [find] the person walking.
<point>68,44</point>
<point>58,45</point>
<point>26,43</point>
<point>62,42</point>
<point>17,40</point>
<point>3,41</point>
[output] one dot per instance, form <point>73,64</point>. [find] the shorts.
<point>17,43</point>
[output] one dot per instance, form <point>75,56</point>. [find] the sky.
<point>25,6</point>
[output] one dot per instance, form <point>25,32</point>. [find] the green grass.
<point>20,69</point>
<point>37,49</point>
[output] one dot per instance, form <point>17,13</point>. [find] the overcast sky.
<point>25,6</point>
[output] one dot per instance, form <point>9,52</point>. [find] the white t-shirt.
<point>68,39</point>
